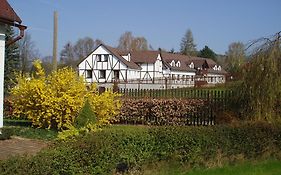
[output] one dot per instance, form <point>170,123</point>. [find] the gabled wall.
<point>92,63</point>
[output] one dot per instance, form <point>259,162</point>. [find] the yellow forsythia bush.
<point>54,101</point>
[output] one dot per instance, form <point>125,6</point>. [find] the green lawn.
<point>269,167</point>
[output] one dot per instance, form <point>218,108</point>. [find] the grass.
<point>32,133</point>
<point>268,167</point>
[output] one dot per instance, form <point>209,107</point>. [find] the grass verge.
<point>30,132</point>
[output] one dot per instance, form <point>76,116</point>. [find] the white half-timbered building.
<point>147,69</point>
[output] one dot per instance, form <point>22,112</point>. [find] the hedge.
<point>126,148</point>
<point>157,111</point>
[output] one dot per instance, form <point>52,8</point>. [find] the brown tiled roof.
<point>146,56</point>
<point>119,54</point>
<point>7,13</point>
<point>184,61</point>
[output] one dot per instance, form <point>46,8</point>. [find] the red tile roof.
<point>184,61</point>
<point>7,13</point>
<point>146,56</point>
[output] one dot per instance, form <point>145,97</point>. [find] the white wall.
<point>2,63</point>
<point>215,78</point>
<point>90,63</point>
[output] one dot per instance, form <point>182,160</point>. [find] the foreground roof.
<point>7,13</point>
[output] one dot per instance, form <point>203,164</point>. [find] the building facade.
<point>148,69</point>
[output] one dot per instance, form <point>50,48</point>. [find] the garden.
<point>229,129</point>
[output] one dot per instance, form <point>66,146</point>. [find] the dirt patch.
<point>20,146</point>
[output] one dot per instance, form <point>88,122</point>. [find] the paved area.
<point>20,146</point>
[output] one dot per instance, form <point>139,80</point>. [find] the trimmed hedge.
<point>14,122</point>
<point>157,111</point>
<point>125,148</point>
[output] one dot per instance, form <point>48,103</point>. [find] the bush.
<point>6,133</point>
<point>118,149</point>
<point>157,111</point>
<point>8,109</point>
<point>55,101</point>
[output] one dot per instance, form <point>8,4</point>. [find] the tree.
<point>128,42</point>
<point>206,52</point>
<point>125,41</point>
<point>83,47</point>
<point>12,62</point>
<point>28,53</point>
<point>187,46</point>
<point>47,65</point>
<point>70,54</point>
<point>139,43</point>
<point>261,88</point>
<point>235,58</point>
<point>67,55</point>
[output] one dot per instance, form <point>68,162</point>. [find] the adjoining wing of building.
<point>148,69</point>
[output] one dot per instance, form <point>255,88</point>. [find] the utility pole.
<point>55,42</point>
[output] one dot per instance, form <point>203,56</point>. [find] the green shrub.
<point>126,148</point>
<point>86,116</point>
<point>6,133</point>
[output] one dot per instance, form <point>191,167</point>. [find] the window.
<point>173,64</point>
<point>215,67</point>
<point>116,74</point>
<point>89,74</point>
<point>98,57</point>
<point>191,65</point>
<point>105,58</point>
<point>178,64</point>
<point>102,74</point>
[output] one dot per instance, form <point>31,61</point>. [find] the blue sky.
<point>215,23</point>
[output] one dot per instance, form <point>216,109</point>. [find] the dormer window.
<point>215,67</point>
<point>219,68</point>
<point>178,64</point>
<point>173,64</point>
<point>191,65</point>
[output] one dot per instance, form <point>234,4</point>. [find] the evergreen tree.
<point>12,61</point>
<point>206,52</point>
<point>187,46</point>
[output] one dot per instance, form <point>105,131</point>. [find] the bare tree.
<point>83,47</point>
<point>27,53</point>
<point>67,54</point>
<point>128,42</point>
<point>235,58</point>
<point>125,41</point>
<point>71,54</point>
<point>139,43</point>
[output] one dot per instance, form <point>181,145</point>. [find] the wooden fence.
<point>215,102</point>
